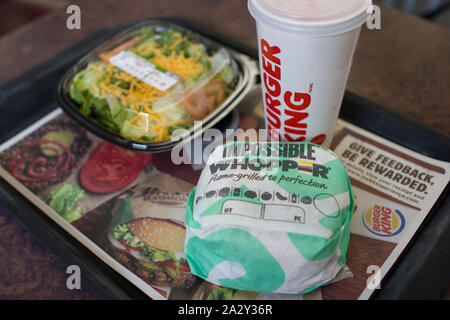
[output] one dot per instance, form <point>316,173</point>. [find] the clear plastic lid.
<point>151,80</point>
<point>325,16</point>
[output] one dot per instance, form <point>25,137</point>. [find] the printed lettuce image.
<point>139,111</point>
<point>63,200</point>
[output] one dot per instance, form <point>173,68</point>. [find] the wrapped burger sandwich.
<point>269,217</point>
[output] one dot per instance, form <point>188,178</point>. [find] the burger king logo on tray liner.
<point>167,198</point>
<point>383,221</point>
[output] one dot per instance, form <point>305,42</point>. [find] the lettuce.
<point>72,215</point>
<point>122,231</point>
<point>63,199</point>
<point>220,293</point>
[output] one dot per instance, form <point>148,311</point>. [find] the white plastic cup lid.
<point>315,17</point>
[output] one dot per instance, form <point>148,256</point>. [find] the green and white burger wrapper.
<point>269,217</point>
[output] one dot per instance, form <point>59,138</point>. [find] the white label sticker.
<point>144,70</point>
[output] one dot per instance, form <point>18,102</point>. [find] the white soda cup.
<point>306,49</point>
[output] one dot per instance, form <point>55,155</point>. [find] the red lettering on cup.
<point>271,78</point>
<point>295,118</point>
<point>320,139</point>
<point>297,100</point>
<point>273,119</point>
<point>293,104</point>
<point>269,52</point>
<point>272,104</point>
<point>288,137</point>
<point>272,86</point>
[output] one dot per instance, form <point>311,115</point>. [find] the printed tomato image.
<point>107,149</point>
<point>111,168</point>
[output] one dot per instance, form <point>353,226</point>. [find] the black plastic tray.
<point>421,272</point>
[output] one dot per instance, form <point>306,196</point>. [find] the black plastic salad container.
<point>136,89</point>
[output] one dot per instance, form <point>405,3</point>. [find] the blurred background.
<point>15,13</point>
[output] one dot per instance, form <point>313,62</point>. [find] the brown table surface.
<point>404,66</point>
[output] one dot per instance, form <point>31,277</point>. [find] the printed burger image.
<point>152,249</point>
<point>147,233</point>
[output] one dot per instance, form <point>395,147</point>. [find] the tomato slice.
<point>111,168</point>
<point>137,249</point>
<point>184,267</point>
<point>104,175</point>
<point>110,150</point>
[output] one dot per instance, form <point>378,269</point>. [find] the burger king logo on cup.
<point>383,221</point>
